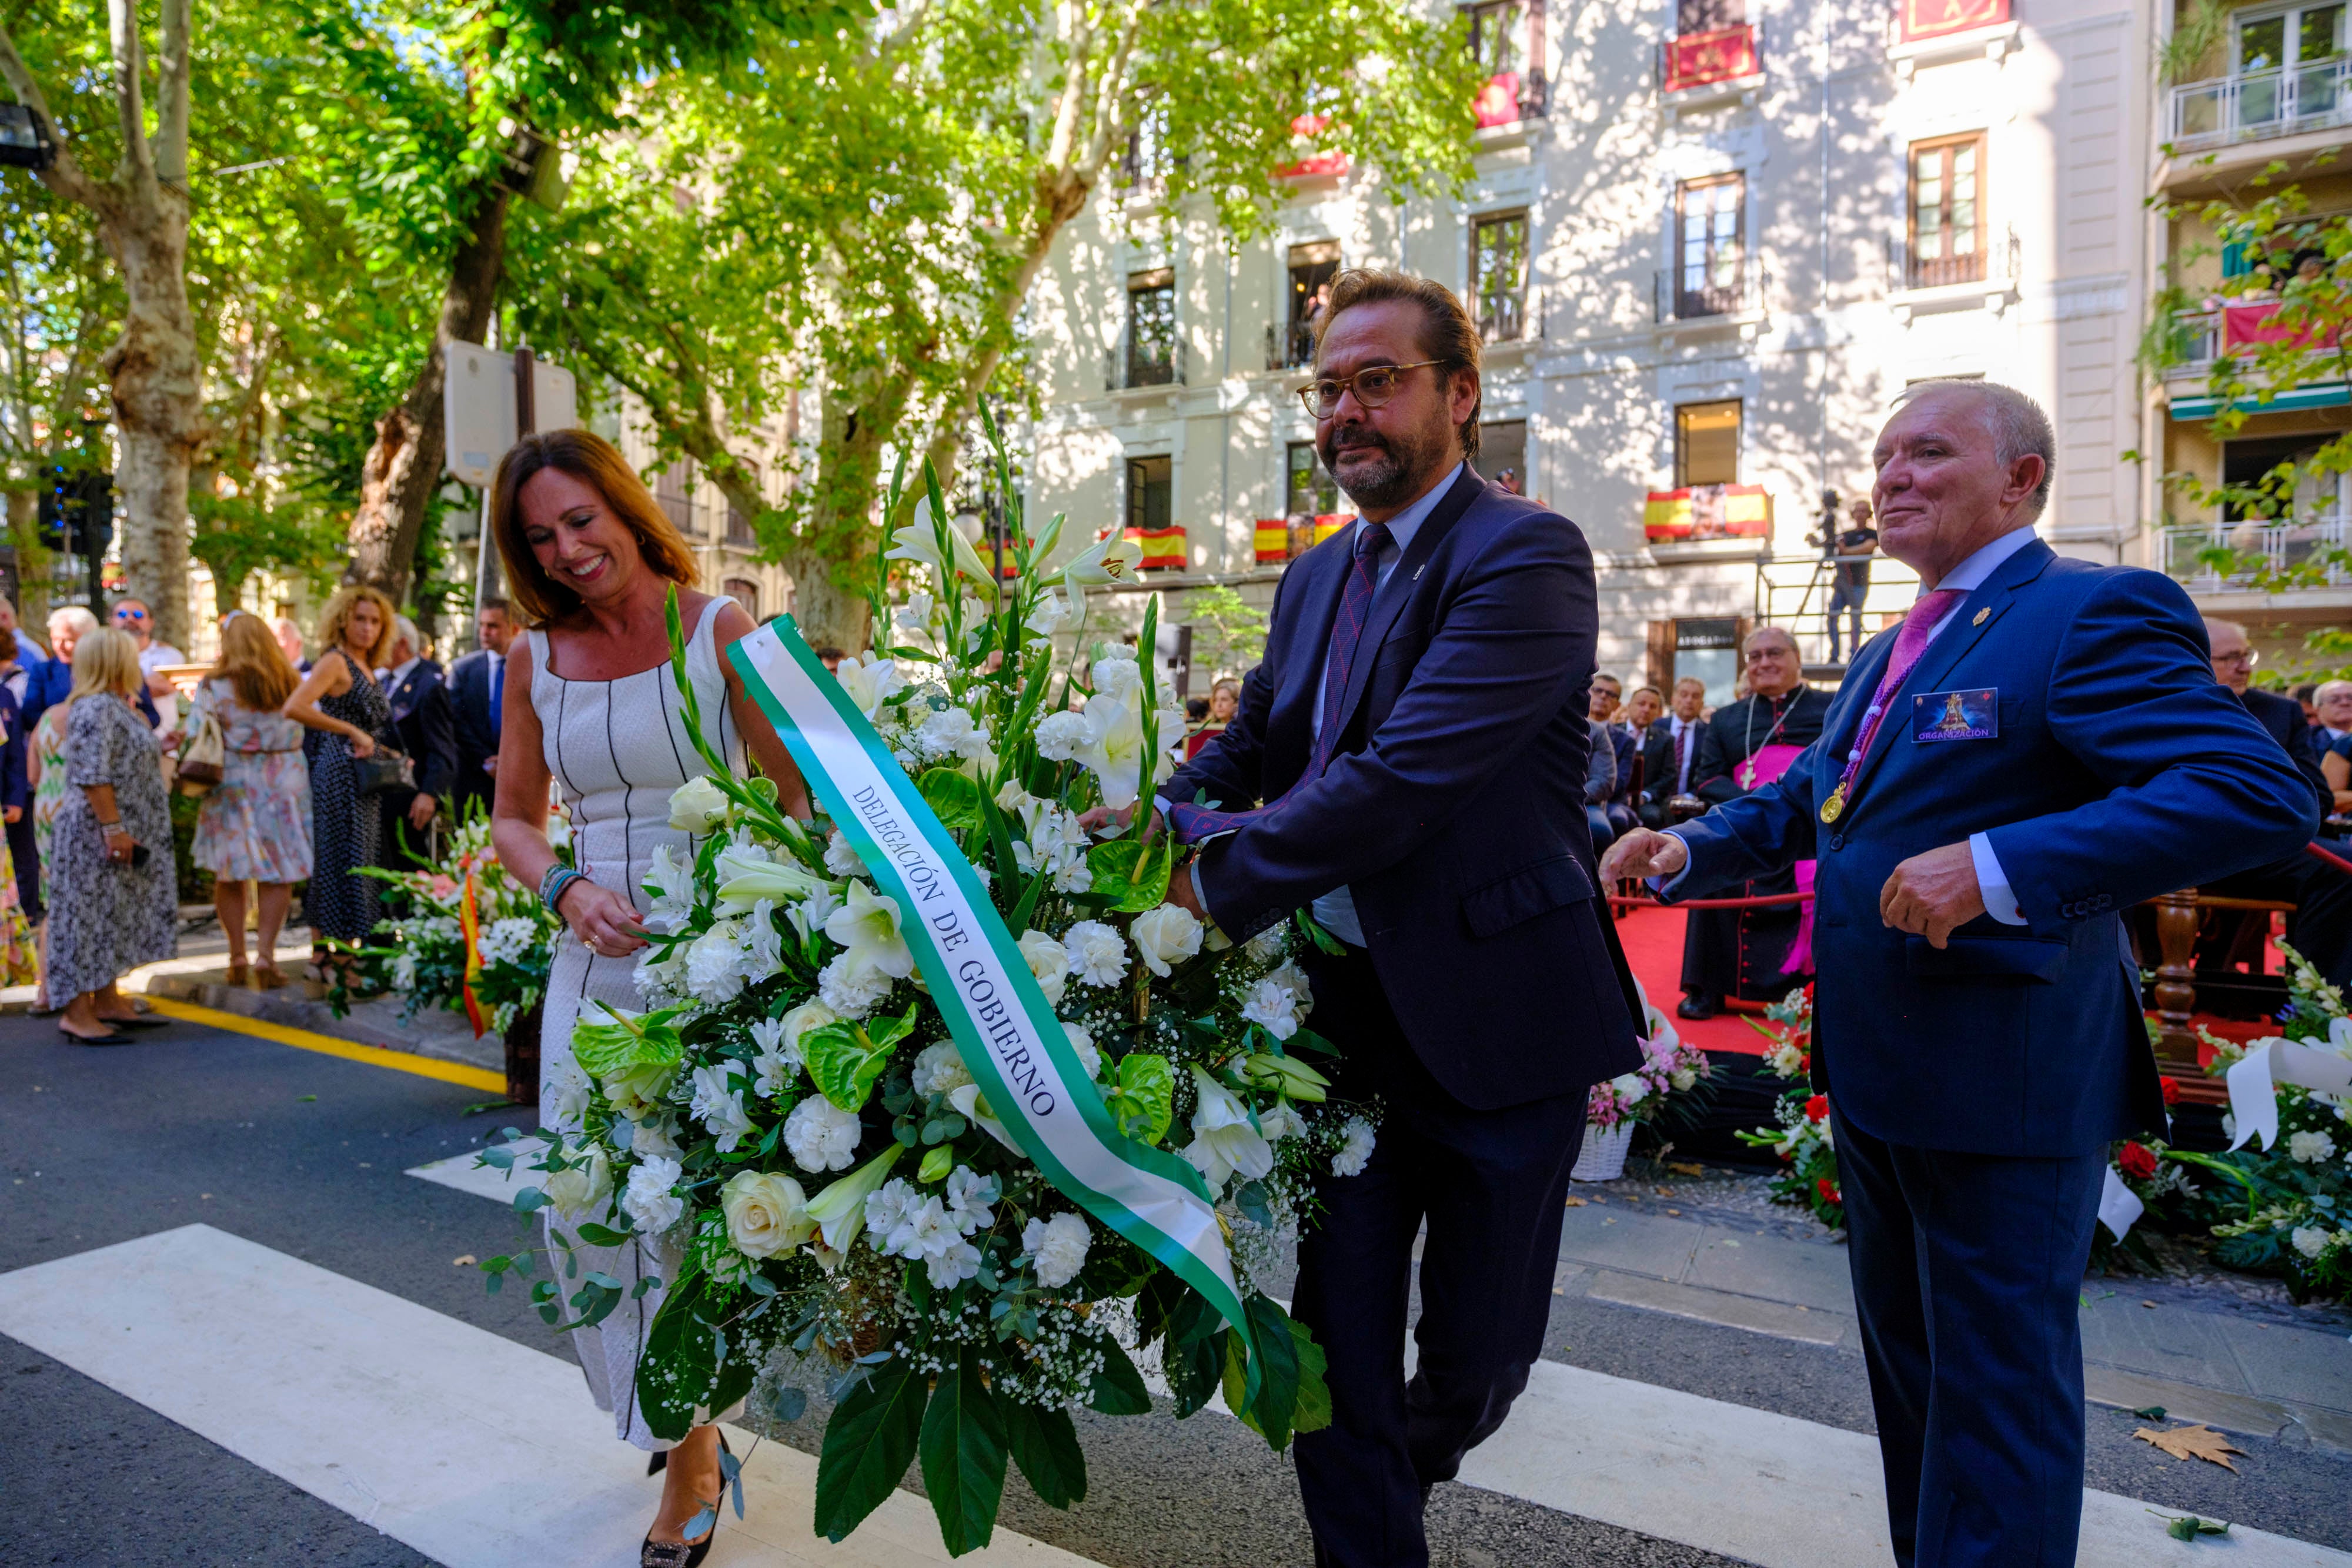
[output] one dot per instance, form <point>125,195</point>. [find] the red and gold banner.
<point>1306,128</point>
<point>469,922</point>
<point>1707,512</point>
<point>1272,538</point>
<point>2246,326</point>
<point>1163,548</point>
<point>1924,19</point>
<point>1696,58</point>
<point>1498,101</point>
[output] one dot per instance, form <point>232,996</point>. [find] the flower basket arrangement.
<point>824,1126</point>
<point>1804,1141</point>
<point>1613,1109</point>
<point>464,936</point>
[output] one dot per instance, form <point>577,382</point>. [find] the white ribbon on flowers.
<point>2255,1078</point>
<point>1007,1033</point>
<point>2120,1207</point>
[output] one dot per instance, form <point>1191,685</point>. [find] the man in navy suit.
<point>478,690</point>
<point>1417,735</point>
<point>419,700</point>
<point>2040,746</point>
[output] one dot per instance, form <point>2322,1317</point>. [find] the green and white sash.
<point>1011,1041</point>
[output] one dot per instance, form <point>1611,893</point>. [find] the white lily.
<point>972,1106</point>
<point>1113,750</point>
<point>840,1209</point>
<point>1104,562</point>
<point>919,542</point>
<point>868,925</point>
<point>1224,1143</point>
<point>744,880</point>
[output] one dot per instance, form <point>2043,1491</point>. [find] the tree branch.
<point>130,74</point>
<point>63,175</point>
<point>170,147</point>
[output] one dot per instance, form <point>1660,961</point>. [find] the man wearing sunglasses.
<point>1408,764</point>
<point>131,615</point>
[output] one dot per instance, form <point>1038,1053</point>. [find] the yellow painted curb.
<point>328,1045</point>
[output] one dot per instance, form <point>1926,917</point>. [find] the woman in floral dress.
<point>255,826</point>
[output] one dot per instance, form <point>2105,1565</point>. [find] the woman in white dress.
<point>591,706</point>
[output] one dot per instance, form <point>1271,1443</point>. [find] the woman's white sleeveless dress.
<point>618,749</point>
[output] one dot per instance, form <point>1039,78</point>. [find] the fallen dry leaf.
<point>2198,1442</point>
<point>1679,1168</point>
<point>464,1261</point>
<point>1575,1203</point>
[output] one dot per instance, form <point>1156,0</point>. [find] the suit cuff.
<point>1664,886</point>
<point>1992,883</point>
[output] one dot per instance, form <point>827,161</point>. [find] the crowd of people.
<point>314,759</point>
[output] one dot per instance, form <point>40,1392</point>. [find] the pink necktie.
<point>1926,615</point>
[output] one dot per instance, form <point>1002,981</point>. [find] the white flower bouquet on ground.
<point>797,1114</point>
<point>463,936</point>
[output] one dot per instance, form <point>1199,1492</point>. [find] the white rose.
<point>1165,937</point>
<point>1631,1088</point>
<point>2310,1148</point>
<point>821,1137</point>
<point>649,1202</point>
<point>581,1191</point>
<point>939,1070</point>
<point>1048,961</point>
<point>1058,1246</point>
<point>766,1213</point>
<point>696,806</point>
<point>2309,1240</point>
<point>1097,955</point>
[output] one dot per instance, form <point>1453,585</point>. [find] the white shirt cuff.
<point>1992,883</point>
<point>1664,886</point>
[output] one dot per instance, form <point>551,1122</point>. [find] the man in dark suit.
<point>1417,731</point>
<point>1674,742</point>
<point>421,717</point>
<point>1605,706</point>
<point>478,690</point>
<point>2321,927</point>
<point>2038,748</point>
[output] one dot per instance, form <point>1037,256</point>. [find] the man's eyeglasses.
<point>122,612</point>
<point>2245,657</point>
<point>1373,388</point>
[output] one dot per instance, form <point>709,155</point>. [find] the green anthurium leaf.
<point>868,1444</point>
<point>1133,877</point>
<point>953,796</point>
<point>625,1040</point>
<point>1119,1388</point>
<point>881,1034</point>
<point>1045,1444</point>
<point>844,1063</point>
<point>964,1448</point>
<point>1146,1088</point>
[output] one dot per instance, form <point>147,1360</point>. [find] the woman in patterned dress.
<point>344,710</point>
<point>590,702</point>
<point>255,823</point>
<point>110,909</point>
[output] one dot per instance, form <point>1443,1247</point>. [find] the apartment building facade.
<point>1708,244</point>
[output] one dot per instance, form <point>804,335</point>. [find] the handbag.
<point>385,769</point>
<point>203,756</point>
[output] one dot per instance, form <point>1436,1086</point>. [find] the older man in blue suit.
<point>2038,748</point>
<point>1417,731</point>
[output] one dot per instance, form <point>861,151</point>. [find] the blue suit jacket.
<point>1454,807</point>
<point>2121,770</point>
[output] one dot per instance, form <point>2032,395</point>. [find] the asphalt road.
<point>305,1153</point>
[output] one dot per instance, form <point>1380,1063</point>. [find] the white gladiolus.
<point>1049,615</point>
<point>973,1107</point>
<point>719,1107</point>
<point>1224,1143</point>
<point>1098,956</point>
<point>696,806</point>
<point>582,1190</point>
<point>564,1098</point>
<point>779,1059</point>
<point>767,1214</point>
<point>820,1136</point>
<point>1165,937</point>
<point>2310,1148</point>
<point>648,1202</point>
<point>1058,1247</point>
<point>868,925</point>
<point>671,883</point>
<point>1049,961</point>
<point>1272,1008</point>
<point>744,880</point>
<point>869,682</point>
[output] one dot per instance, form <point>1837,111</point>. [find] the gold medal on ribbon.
<point>1834,806</point>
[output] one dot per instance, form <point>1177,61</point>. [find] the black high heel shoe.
<point>654,1553</point>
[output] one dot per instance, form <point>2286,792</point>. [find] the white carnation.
<point>951,732</point>
<point>939,1070</point>
<point>840,859</point>
<point>2310,1148</point>
<point>649,1203</point>
<point>1048,961</point>
<point>1116,677</point>
<point>1057,1246</point>
<point>1083,1043</point>
<point>714,964</point>
<point>1356,1140</point>
<point>821,1137</point>
<point>1062,736</point>
<point>1165,937</point>
<point>850,994</point>
<point>2309,1240</point>
<point>1098,956</point>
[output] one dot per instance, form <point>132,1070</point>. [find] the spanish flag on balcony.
<point>1273,540</point>
<point>1163,548</point>
<point>1707,512</point>
<point>1330,523</point>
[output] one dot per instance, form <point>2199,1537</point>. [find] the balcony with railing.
<point>2197,340</point>
<point>1139,361</point>
<point>1289,345</point>
<point>1723,286</point>
<point>1952,278</point>
<point>2262,553</point>
<point>2255,106</point>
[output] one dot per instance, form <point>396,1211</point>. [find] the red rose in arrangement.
<point>1817,1108</point>
<point>1828,1189</point>
<point>2171,1089</point>
<point>2135,1161</point>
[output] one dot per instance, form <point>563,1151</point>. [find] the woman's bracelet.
<point>552,885</point>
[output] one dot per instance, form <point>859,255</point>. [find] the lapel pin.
<point>1419,569</point>
<point>1981,615</point>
